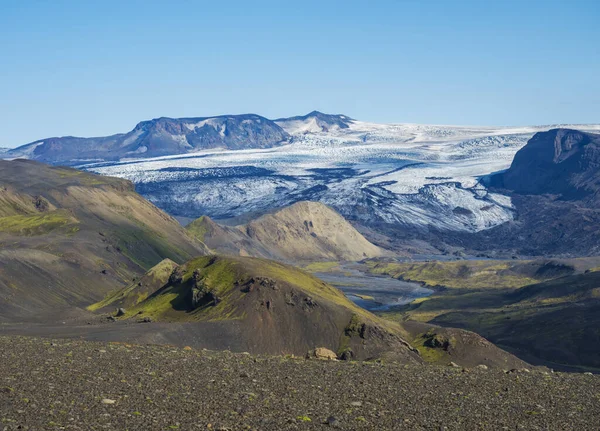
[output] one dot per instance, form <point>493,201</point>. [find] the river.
<point>373,292</point>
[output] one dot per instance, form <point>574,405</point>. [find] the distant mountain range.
<point>171,136</point>
<point>477,190</point>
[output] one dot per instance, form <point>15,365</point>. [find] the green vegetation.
<point>322,267</point>
<point>84,178</point>
<point>199,228</point>
<point>474,274</point>
<point>133,294</point>
<point>556,319</point>
<point>433,347</point>
<point>351,330</point>
<point>35,224</point>
<point>221,276</point>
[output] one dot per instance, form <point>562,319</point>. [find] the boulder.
<point>321,353</point>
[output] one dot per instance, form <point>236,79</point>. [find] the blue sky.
<point>95,68</point>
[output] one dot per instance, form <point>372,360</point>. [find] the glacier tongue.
<point>411,175</point>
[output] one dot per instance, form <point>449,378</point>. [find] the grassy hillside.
<point>474,274</point>
<point>68,237</point>
<point>552,319</point>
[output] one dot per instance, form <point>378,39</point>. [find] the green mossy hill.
<point>274,308</point>
<point>200,227</point>
<point>226,276</point>
<point>140,289</point>
<point>68,237</point>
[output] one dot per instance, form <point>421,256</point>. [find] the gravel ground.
<point>81,385</point>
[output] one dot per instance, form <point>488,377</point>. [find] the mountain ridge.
<point>164,136</point>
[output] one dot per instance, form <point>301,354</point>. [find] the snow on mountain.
<point>158,137</point>
<point>413,175</point>
<point>314,122</point>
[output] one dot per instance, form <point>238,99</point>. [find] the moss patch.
<point>35,224</point>
<point>199,228</point>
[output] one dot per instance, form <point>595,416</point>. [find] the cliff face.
<point>560,162</point>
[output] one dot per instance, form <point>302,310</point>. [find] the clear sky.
<point>90,68</point>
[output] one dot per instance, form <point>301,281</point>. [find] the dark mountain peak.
<point>563,162</point>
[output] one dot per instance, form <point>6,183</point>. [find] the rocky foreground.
<point>77,385</point>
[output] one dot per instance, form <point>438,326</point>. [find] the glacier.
<point>412,175</point>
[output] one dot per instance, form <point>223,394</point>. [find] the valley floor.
<point>76,385</point>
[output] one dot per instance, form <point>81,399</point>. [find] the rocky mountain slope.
<point>281,308</point>
<point>304,231</point>
<point>68,237</point>
<point>267,307</point>
<point>560,162</point>
<point>554,184</point>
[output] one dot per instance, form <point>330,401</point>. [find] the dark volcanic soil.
<point>77,385</point>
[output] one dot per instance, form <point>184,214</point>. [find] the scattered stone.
<point>108,401</point>
<point>454,365</point>
<point>120,312</point>
<point>521,370</point>
<point>333,422</point>
<point>482,367</point>
<point>321,353</point>
<point>111,319</point>
<point>437,341</point>
<point>356,403</point>
<point>587,373</point>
